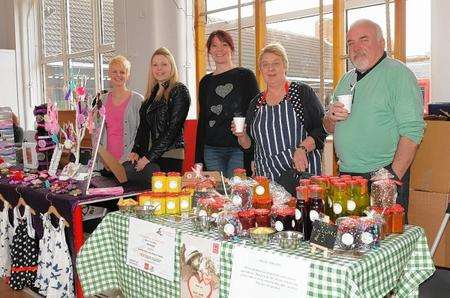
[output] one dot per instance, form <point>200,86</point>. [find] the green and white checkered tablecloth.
<point>402,263</point>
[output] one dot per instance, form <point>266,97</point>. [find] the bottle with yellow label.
<point>173,203</point>
<point>173,182</point>
<point>159,182</point>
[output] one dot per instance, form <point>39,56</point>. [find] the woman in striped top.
<point>284,123</point>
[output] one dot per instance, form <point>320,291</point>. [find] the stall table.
<point>70,207</point>
<point>401,264</point>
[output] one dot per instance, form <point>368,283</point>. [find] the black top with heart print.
<point>222,97</point>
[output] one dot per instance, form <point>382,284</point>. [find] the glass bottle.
<point>354,192</point>
<point>316,202</point>
<point>364,200</point>
<point>302,222</point>
<point>339,200</point>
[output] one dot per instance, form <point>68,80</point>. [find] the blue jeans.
<point>223,159</point>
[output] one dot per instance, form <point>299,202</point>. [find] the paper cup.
<point>347,101</point>
<point>239,123</point>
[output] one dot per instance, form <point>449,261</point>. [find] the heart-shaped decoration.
<point>198,288</point>
<point>211,123</point>
<point>217,109</point>
<point>224,90</point>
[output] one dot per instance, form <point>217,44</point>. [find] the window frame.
<point>65,56</point>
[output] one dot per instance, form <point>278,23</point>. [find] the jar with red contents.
<point>398,219</point>
<point>262,217</point>
<point>240,195</point>
<point>261,190</point>
<point>240,172</point>
<point>247,219</point>
<point>304,182</point>
<point>284,219</point>
<point>316,194</point>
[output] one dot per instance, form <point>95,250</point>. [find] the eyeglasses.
<point>267,65</point>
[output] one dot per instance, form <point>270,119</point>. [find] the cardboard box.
<point>427,209</point>
<point>430,170</point>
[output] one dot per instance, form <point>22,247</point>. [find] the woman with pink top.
<point>122,111</point>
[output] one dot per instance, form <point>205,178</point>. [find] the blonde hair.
<point>276,49</point>
<point>173,79</point>
<point>122,61</point>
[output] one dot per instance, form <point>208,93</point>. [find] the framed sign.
<point>30,160</point>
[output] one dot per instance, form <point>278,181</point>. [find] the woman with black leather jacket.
<point>159,141</point>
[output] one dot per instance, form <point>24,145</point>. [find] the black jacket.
<point>163,121</point>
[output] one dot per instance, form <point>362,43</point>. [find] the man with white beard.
<point>385,124</point>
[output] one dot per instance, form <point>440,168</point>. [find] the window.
<point>238,20</point>
<point>295,24</point>
<point>418,44</point>
<point>73,49</point>
<point>376,13</point>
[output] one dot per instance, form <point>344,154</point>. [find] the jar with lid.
<point>185,202</point>
<point>262,217</point>
<point>240,172</point>
<point>173,182</point>
<point>247,219</point>
<point>261,191</point>
<point>173,203</point>
<point>159,182</point>
<point>284,219</point>
<point>159,201</point>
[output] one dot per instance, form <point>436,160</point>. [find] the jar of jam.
<point>261,190</point>
<point>262,217</point>
<point>159,182</point>
<point>240,172</point>
<point>185,202</point>
<point>398,219</point>
<point>284,219</point>
<point>263,204</point>
<point>173,203</point>
<point>354,193</point>
<point>159,201</point>
<point>240,195</point>
<point>145,198</point>
<point>339,200</point>
<point>173,182</point>
<point>304,182</point>
<point>247,219</point>
<point>316,202</point>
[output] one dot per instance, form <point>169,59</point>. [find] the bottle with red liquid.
<point>316,194</point>
<point>302,222</point>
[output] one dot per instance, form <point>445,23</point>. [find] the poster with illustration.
<point>199,267</point>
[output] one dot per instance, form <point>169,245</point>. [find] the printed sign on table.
<point>265,274</point>
<point>199,267</point>
<point>151,248</point>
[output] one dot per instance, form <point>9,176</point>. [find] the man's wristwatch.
<point>303,148</point>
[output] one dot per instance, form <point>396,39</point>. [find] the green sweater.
<point>387,104</point>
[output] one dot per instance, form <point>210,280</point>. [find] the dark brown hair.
<point>223,36</point>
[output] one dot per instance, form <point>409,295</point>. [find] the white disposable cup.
<point>239,123</point>
<point>347,101</point>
